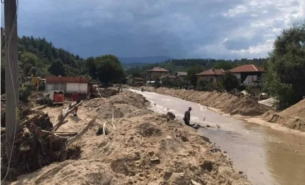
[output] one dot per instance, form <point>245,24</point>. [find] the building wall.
<point>81,88</point>
<point>209,78</point>
<point>57,86</point>
<point>69,88</point>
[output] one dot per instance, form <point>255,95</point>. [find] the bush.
<point>25,92</point>
<point>229,82</point>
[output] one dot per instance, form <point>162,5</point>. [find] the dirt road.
<point>266,156</point>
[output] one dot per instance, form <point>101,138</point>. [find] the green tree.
<point>229,81</point>
<point>109,69</point>
<point>91,67</point>
<point>226,65</point>
<point>285,76</point>
<point>191,74</point>
<point>57,68</point>
<point>29,58</point>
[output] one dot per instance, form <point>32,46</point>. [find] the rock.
<point>167,175</point>
<point>100,131</point>
<point>207,165</point>
<point>184,139</point>
<point>205,139</point>
<point>195,183</point>
<point>215,150</point>
<point>170,116</point>
<point>155,160</point>
<point>208,126</point>
<point>217,126</point>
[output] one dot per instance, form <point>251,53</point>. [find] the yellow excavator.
<point>37,82</point>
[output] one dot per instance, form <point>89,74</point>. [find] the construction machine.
<point>38,83</point>
<point>54,97</point>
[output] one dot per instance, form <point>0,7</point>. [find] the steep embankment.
<point>142,147</point>
<point>228,103</point>
<point>292,117</point>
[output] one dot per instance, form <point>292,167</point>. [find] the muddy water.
<point>266,156</point>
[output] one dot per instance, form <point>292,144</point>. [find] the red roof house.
<point>211,75</point>
<point>248,74</point>
<point>156,73</point>
<point>247,68</point>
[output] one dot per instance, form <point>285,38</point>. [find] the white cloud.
<point>240,9</point>
<point>266,20</point>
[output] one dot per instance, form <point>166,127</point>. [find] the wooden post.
<point>11,77</point>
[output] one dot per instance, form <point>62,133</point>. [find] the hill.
<point>130,62</point>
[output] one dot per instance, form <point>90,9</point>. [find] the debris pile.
<point>140,147</point>
<point>37,143</point>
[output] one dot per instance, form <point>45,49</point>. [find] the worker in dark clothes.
<point>187,116</point>
<point>75,98</point>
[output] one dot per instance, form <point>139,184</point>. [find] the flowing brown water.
<point>266,156</point>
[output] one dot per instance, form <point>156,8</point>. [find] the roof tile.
<point>247,68</point>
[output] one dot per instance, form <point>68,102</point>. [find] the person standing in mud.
<point>75,98</point>
<point>187,116</point>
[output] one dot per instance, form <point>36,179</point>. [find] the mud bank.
<point>141,147</point>
<point>225,102</point>
<point>291,118</point>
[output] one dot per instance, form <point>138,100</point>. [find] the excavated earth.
<point>292,117</point>
<point>226,102</point>
<point>140,147</point>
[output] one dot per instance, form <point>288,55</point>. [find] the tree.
<point>285,76</point>
<point>29,58</point>
<point>191,74</point>
<point>91,67</point>
<point>57,68</point>
<point>229,81</point>
<point>109,69</point>
<point>226,65</point>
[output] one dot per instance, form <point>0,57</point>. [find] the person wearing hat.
<point>187,116</point>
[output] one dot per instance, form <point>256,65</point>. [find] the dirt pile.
<point>144,148</point>
<point>292,117</point>
<point>226,102</point>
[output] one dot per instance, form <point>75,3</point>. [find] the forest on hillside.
<point>40,58</point>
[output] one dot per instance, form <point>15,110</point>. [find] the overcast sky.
<point>226,29</point>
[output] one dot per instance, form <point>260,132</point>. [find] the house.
<point>138,81</point>
<point>68,84</point>
<point>248,74</point>
<point>156,72</point>
<point>169,76</point>
<point>181,75</point>
<point>211,75</point>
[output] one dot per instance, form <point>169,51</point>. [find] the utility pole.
<point>11,77</point>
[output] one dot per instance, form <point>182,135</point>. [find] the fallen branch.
<point>81,133</point>
<point>40,107</point>
<point>64,114</point>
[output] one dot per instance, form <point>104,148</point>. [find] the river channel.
<point>264,155</point>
